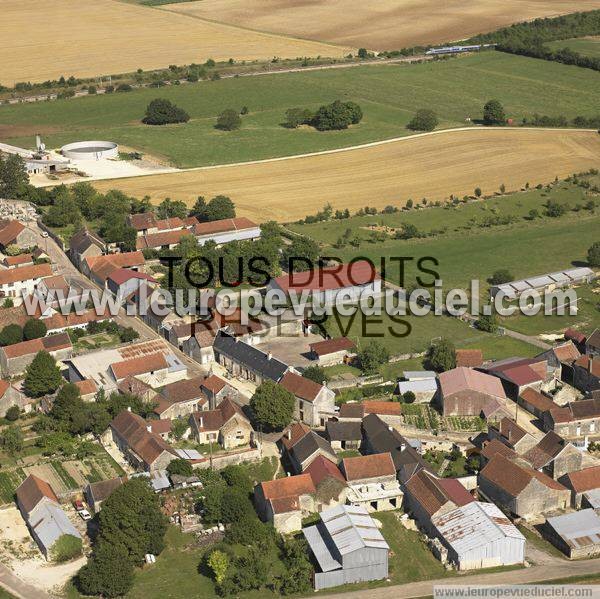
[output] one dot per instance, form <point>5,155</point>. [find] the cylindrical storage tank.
<point>90,150</point>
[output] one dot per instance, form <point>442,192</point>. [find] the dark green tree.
<point>409,397</point>
<point>294,117</point>
<point>12,439</point>
<point>199,210</point>
<point>305,251</point>
<point>501,276</point>
<point>235,505</point>
<point>11,334</point>
<point>316,373</point>
<point>373,356</point>
<point>593,254</point>
<point>181,467</point>
<point>169,208</point>
<point>34,329</point>
<point>441,356</point>
<point>163,112</point>
<point>229,120</point>
<point>272,405</point>
<point>220,207</point>
<point>424,120</point>
<point>13,176</point>
<point>338,115</point>
<point>108,573</point>
<point>487,323</point>
<point>13,413</point>
<point>42,376</point>
<point>362,53</point>
<point>493,113</point>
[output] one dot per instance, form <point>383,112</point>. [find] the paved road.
<point>17,587</point>
<point>542,573</point>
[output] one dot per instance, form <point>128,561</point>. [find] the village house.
<point>163,240</point>
<point>12,232</point>
<point>517,374</point>
<point>87,389</point>
<point>512,435</point>
<point>554,456</point>
<point>332,351</point>
<point>199,345</point>
<point>99,268</point>
<point>576,421</point>
<point>24,280</point>
<point>14,359</point>
<point>216,390</point>
<point>146,223</point>
<point>349,281</point>
<point>582,483</point>
<point>389,411</point>
<point>379,437</point>
<point>285,501</point>
<point>245,361</point>
<point>181,398</point>
<point>226,425</point>
<point>142,448</point>
<point>426,495</point>
<point>535,402</point>
<point>226,230</point>
<point>467,392</point>
<point>520,489</point>
<point>315,403</point>
<point>40,509</point>
<point>478,535</point>
<point>10,396</point>
<point>347,547</point>
<point>592,343</point>
<point>586,373</point>
<point>372,482</point>
<point>491,448</point>
<point>96,493</point>
<point>344,434</point>
<point>136,387</point>
<point>576,337</point>
<point>560,360</point>
<point>329,482</point>
<point>152,369</point>
<point>85,244</point>
<point>306,449</point>
<point>16,261</point>
<point>577,534</point>
<point>122,282</point>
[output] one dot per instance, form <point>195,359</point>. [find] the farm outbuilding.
<point>576,534</point>
<point>479,535</point>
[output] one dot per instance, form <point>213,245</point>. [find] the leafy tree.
<point>250,572</point>
<point>8,303</point>
<point>298,575</point>
<point>442,356</point>
<point>13,176</point>
<point>34,329</point>
<point>478,192</point>
<point>316,373</point>
<point>424,120</point>
<point>356,113</point>
<point>220,207</point>
<point>178,428</point>
<point>108,573</point>
<point>493,113</point>
<point>409,397</point>
<point>499,277</point>
<point>294,117</point>
<point>338,115</point>
<point>249,530</point>
<point>128,334</point>
<point>169,208</point>
<point>229,120</point>
<point>65,548</point>
<point>218,562</point>
<point>373,356</point>
<point>593,254</point>
<point>199,209</point>
<point>236,476</point>
<point>235,505</point>
<point>212,499</point>
<point>163,112</point>
<point>42,376</point>
<point>12,439</point>
<point>362,53</point>
<point>301,247</point>
<point>11,334</point>
<point>272,405</point>
<point>13,413</point>
<point>64,210</point>
<point>181,467</point>
<point>487,322</point>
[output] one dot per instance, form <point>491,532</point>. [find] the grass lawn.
<point>389,96</point>
<point>588,46</point>
<point>540,543</point>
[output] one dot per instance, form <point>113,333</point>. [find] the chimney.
<point>129,408</point>
<point>289,434</point>
<point>269,355</point>
<point>201,422</point>
<point>149,428</point>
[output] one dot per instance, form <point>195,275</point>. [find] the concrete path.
<point>17,587</point>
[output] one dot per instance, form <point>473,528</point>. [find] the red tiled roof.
<point>160,427</point>
<point>214,383</point>
<point>566,352</point>
<point>463,379</point>
<point>584,480</point>
<point>432,493</point>
<point>103,266</point>
<point>86,386</point>
<point>369,466</point>
<point>331,346</point>
<point>322,468</point>
<point>16,260</point>
<point>289,486</point>
<point>511,431</point>
<point>25,273</point>
<point>9,230</point>
<point>382,408</point>
<point>574,335</point>
<point>293,433</point>
<point>140,365</point>
<point>224,225</point>
<point>158,240</point>
<point>591,365</point>
<point>213,420</point>
<point>538,400</point>
<point>300,386</point>
<point>186,390</point>
<point>33,346</point>
<point>341,276</point>
<point>469,357</point>
<point>496,446</point>
<point>122,275</point>
<point>32,490</point>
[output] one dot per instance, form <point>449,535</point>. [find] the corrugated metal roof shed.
<point>540,281</point>
<point>322,554</point>
<point>417,375</point>
<point>474,525</point>
<point>593,498</point>
<point>49,523</point>
<point>578,529</point>
<point>418,386</point>
<point>559,277</point>
<point>577,273</point>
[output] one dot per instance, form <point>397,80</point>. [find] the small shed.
<point>576,534</point>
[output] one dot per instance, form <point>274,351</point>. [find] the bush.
<point>493,113</point>
<point>11,334</point>
<point>13,413</point>
<point>181,467</point>
<point>500,277</point>
<point>424,120</point>
<point>593,254</point>
<point>66,547</point>
<point>336,116</point>
<point>249,530</point>
<point>294,117</point>
<point>34,329</point>
<point>229,120</point>
<point>124,87</point>
<point>163,112</point>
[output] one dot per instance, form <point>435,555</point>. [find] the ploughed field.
<point>430,166</point>
<point>389,95</point>
<point>86,38</point>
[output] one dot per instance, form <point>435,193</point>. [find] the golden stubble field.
<point>380,24</point>
<point>42,40</point>
<point>431,166</point>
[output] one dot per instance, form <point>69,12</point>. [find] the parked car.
<point>78,505</point>
<point>85,515</point>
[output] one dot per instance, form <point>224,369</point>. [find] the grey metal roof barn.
<point>479,535</point>
<point>249,357</point>
<point>347,546</point>
<point>48,523</point>
<point>576,534</point>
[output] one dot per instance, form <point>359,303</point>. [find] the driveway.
<point>291,350</point>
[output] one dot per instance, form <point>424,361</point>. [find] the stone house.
<point>199,345</point>
<point>315,403</point>
<point>581,482</point>
<point>24,280</point>
<point>143,449</point>
<point>216,390</point>
<point>99,268</point>
<point>306,449</point>
<point>344,434</point>
<point>521,490</point>
<point>85,244</point>
<point>512,435</point>
<point>96,493</point>
<point>372,482</point>
<point>332,351</point>
<point>13,232</point>
<point>592,344</point>
<point>554,456</point>
<point>575,421</point>
<point>559,359</point>
<point>14,359</point>
<point>151,369</point>
<point>226,425</point>
<point>586,373</point>
<point>181,398</point>
<point>518,374</point>
<point>11,396</point>
<point>535,402</point>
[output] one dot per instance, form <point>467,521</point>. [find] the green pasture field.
<point>587,46</point>
<point>389,96</point>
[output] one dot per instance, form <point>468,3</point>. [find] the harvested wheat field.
<point>432,166</point>
<point>381,25</point>
<point>42,40</point>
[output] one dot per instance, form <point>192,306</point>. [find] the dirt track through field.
<point>42,40</point>
<point>381,174</point>
<point>380,25</point>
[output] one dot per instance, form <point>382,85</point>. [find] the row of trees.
<point>335,116</point>
<point>13,333</point>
